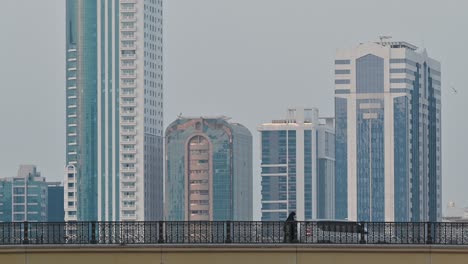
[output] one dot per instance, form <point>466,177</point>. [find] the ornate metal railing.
<point>233,232</point>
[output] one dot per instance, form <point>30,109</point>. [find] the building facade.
<point>388,133</point>
<point>114,100</point>
<point>55,202</point>
<point>297,166</point>
<point>208,170</point>
<point>24,197</point>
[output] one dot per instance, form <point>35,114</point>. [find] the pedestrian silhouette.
<point>290,229</point>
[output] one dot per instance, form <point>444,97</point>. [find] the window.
<point>18,199</point>
<point>342,81</point>
<point>18,208</point>
<point>342,61</point>
<point>18,190</point>
<point>370,74</point>
<point>342,71</point>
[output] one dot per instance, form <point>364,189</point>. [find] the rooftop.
<point>397,44</point>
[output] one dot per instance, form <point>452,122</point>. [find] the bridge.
<point>233,242</point>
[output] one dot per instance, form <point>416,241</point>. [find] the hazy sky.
<point>247,59</point>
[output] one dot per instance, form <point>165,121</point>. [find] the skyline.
<point>210,62</point>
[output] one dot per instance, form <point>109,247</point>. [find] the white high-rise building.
<point>388,133</point>
<point>297,166</point>
<point>114,52</point>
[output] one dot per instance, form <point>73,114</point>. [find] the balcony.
<point>128,122</point>
<point>128,28</point>
<point>128,18</point>
<point>127,66</point>
<point>128,56</point>
<point>128,188</point>
<point>127,103</point>
<point>128,113</point>
<point>129,197</point>
<point>203,156</point>
<point>127,85</point>
<point>128,141</point>
<point>128,160</point>
<point>128,179</point>
<point>198,147</point>
<point>71,199</point>
<point>129,151</point>
<point>71,208</point>
<point>71,218</point>
<point>128,169</point>
<point>128,217</point>
<point>129,206</point>
<point>128,132</point>
<point>199,167</point>
<point>127,37</point>
<point>128,9</point>
<point>128,76</point>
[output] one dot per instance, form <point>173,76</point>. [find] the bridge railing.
<point>234,232</point>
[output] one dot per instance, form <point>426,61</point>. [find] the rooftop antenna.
<point>383,37</point>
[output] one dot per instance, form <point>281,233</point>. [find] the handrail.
<point>234,232</point>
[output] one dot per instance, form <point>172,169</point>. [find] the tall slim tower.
<point>388,133</point>
<point>114,111</point>
<point>297,169</point>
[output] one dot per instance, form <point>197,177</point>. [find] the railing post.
<point>26,232</point>
<point>93,233</point>
<point>362,231</point>
<point>228,232</point>
<point>161,232</point>
<point>429,233</point>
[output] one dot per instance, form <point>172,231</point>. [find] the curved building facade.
<point>208,170</point>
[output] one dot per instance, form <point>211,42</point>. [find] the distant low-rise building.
<point>455,214</point>
<point>24,197</point>
<point>28,197</point>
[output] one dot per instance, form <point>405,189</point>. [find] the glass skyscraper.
<point>297,166</point>
<point>388,133</point>
<point>114,99</point>
<point>208,170</point>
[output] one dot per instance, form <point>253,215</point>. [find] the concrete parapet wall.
<point>233,254</point>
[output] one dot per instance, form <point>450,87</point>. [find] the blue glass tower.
<point>297,169</point>
<point>388,133</point>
